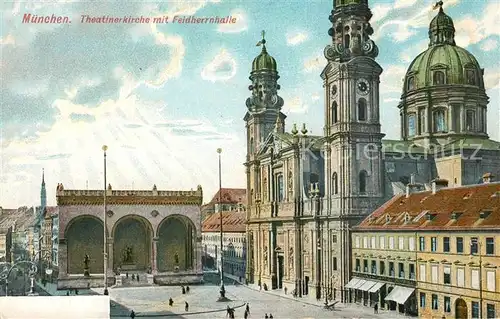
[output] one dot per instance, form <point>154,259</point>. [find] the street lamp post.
<point>105,217</point>
<point>222,288</point>
<point>477,242</point>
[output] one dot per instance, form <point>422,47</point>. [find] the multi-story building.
<point>231,199</point>
<point>234,242</point>
<point>306,192</point>
<point>435,252</point>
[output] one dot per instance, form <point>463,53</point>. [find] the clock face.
<point>362,86</point>
<point>334,90</point>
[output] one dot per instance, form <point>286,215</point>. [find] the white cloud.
<point>222,68</point>
<point>391,80</point>
<point>9,39</point>
<point>390,100</point>
<point>492,78</point>
<point>296,38</point>
<point>470,30</point>
<point>404,3</point>
<point>314,64</point>
<point>240,25</point>
<point>489,45</point>
<point>295,105</point>
<point>315,97</point>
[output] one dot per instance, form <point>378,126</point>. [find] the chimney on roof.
<point>438,184</point>
<point>412,187</point>
<point>488,178</point>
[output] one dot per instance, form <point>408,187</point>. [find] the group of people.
<point>134,276</point>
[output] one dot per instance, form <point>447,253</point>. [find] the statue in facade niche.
<point>86,262</point>
<point>127,255</point>
<point>176,259</point>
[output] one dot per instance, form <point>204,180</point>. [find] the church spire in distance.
<point>43,192</point>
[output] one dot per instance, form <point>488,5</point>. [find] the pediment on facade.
<point>274,141</point>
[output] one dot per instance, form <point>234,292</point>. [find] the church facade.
<point>154,232</point>
<point>306,192</point>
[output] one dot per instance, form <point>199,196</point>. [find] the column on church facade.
<point>154,252</point>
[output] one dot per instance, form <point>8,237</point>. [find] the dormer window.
<point>430,216</point>
<point>470,76</point>
<point>438,78</point>
<point>407,218</point>
<point>455,215</point>
<point>484,214</point>
<point>387,219</point>
<point>410,84</point>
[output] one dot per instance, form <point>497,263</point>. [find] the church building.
<point>305,192</point>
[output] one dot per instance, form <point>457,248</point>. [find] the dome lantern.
<point>441,28</point>
<point>264,62</point>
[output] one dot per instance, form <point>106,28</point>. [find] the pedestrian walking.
<point>245,316</point>
<point>270,316</point>
<point>133,276</point>
<point>132,314</point>
<point>67,292</point>
<point>286,290</point>
<point>183,290</point>
<point>247,308</point>
<point>137,276</point>
<point>126,275</point>
<point>266,316</point>
<point>375,308</point>
<point>186,306</point>
<point>170,302</point>
<point>187,289</point>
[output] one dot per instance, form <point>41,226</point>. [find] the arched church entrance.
<point>85,236</point>
<point>175,248</point>
<point>132,237</point>
<point>460,309</point>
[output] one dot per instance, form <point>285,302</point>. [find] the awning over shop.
<point>351,283</point>
<point>367,285</point>
<point>377,287</point>
<point>399,294</point>
<point>360,283</point>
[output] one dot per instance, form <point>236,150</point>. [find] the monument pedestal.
<point>150,278</point>
<point>128,267</point>
<point>86,273</point>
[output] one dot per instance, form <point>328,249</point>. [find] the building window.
<point>374,267</point>
<point>411,243</point>
<point>473,246</point>
<point>391,242</point>
<point>475,309</point>
<point>446,244</point>
<point>470,120</point>
<point>460,245</point>
<point>401,243</point>
<point>447,275</point>
<point>365,242</point>
<point>361,110</point>
<point>280,188</point>
<point>439,121</point>
<point>490,280</point>
<point>334,263</point>
<point>438,78</point>
<point>474,279</point>
<point>412,271</point>
<point>356,241</point>
<point>358,265</point>
<point>335,184</point>
<point>374,242</point>
<point>421,241</point>
<point>382,267</point>
<point>490,246</point>
<point>410,84</point>
<point>490,311</point>
<point>471,77</point>
<point>434,274</point>
<point>401,270</point>
<point>365,265</point>
<point>447,304</point>
<point>422,274</point>
<point>250,149</point>
<point>460,277</point>
<point>347,43</point>
<point>382,242</point>
<point>434,302</point>
<point>362,182</point>
<point>391,269</point>
<point>412,130</point>
<point>422,300</point>
<point>334,112</point>
<point>334,239</point>
<point>433,244</point>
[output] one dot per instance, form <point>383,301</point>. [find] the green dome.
<point>443,63</point>
<point>264,61</point>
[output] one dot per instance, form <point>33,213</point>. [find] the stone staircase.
<point>145,280</point>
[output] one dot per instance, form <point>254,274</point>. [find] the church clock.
<point>362,86</point>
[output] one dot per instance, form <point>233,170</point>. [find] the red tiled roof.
<point>230,196</point>
<point>232,222</point>
<point>468,207</point>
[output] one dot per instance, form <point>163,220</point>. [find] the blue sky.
<point>165,97</point>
